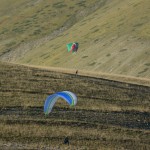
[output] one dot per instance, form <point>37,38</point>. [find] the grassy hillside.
<point>113,35</point>
<point>109,114</point>
<point>25,21</point>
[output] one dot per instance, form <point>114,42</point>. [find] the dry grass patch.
<point>108,112</point>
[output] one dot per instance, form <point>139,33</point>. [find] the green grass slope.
<point>108,115</point>
<point>113,38</point>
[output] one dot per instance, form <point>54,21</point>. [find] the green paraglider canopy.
<point>73,47</point>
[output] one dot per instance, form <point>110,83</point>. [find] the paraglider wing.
<point>49,103</point>
<point>68,96</point>
<point>77,45</point>
<point>75,48</point>
<point>72,47</point>
<point>69,47</point>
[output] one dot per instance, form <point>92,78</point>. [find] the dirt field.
<point>109,114</point>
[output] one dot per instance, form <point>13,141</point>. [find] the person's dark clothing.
<point>76,72</point>
<point>66,140</point>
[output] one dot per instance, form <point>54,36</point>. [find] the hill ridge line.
<point>105,76</point>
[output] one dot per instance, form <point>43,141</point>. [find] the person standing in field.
<point>76,72</point>
<point>66,140</point>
